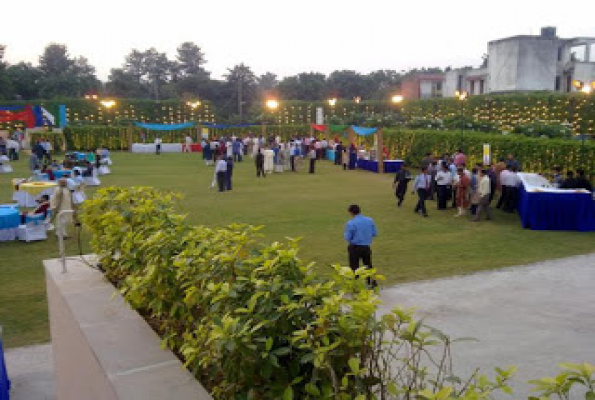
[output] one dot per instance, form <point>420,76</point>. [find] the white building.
<point>519,64</point>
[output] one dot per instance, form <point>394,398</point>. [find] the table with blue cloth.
<point>10,219</point>
<point>4,382</point>
<point>542,207</point>
<point>62,173</point>
<point>390,166</point>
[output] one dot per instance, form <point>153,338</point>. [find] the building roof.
<point>524,37</point>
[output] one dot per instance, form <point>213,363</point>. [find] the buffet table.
<point>390,166</point>
<point>30,191</point>
<point>10,219</point>
<point>542,207</point>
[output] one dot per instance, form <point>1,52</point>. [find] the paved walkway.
<point>533,316</point>
<point>30,371</point>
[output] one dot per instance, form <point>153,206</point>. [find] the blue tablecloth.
<point>4,382</point>
<point>330,154</point>
<point>9,218</point>
<point>390,166</point>
<point>556,211</point>
<point>58,174</point>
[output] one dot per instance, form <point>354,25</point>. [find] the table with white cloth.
<point>10,219</point>
<point>150,148</point>
<point>30,191</point>
<point>543,207</point>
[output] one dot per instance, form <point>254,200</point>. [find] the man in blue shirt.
<point>359,232</point>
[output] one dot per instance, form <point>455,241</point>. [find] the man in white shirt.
<point>187,148</point>
<point>220,173</point>
<point>484,191</point>
<point>12,146</point>
<point>443,184</point>
<point>157,145</point>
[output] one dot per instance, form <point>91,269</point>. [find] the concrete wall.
<point>103,350</point>
<point>503,65</point>
<point>537,64</point>
<point>451,81</point>
<point>425,89</point>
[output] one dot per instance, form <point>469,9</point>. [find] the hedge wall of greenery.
<point>535,154</point>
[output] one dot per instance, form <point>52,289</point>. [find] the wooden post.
<point>379,152</point>
<point>264,130</point>
<point>311,129</point>
<point>350,136</point>
<point>130,133</point>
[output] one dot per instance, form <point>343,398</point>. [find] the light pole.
<point>461,95</point>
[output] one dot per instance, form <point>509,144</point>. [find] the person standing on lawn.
<point>421,185</point>
<point>401,181</point>
<point>313,154</point>
<point>483,190</point>
<point>221,173</point>
<point>229,173</point>
<point>359,232</point>
<point>259,160</point>
<point>443,182</point>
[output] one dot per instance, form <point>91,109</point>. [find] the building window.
<point>568,83</point>
<point>557,83</point>
<point>559,53</point>
<point>481,86</point>
<point>472,90</point>
<point>460,83</point>
<point>439,86</point>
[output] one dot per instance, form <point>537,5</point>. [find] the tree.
<point>190,59</point>
<point>348,84</point>
<point>135,65</point>
<point>25,80</point>
<point>304,86</point>
<point>242,79</point>
<point>55,61</point>
<point>123,84</point>
<point>383,83</point>
<point>266,83</point>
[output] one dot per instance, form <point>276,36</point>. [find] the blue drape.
<point>4,382</point>
<point>165,127</point>
<point>62,116</point>
<point>360,130</point>
<point>11,108</point>
<point>224,126</point>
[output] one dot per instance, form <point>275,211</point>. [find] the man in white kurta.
<point>269,160</point>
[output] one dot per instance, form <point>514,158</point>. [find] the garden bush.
<point>254,321</point>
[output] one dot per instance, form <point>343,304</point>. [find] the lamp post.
<point>108,104</point>
<point>272,105</point>
<point>461,95</point>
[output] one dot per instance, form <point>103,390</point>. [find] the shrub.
<point>254,321</point>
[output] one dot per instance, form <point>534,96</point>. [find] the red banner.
<point>319,128</point>
<point>25,116</point>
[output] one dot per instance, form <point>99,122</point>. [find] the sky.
<point>286,36</point>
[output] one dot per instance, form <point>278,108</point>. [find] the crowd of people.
<point>447,179</point>
<point>270,155</point>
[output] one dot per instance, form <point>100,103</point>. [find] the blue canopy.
<point>165,127</point>
<point>11,108</point>
<point>360,130</point>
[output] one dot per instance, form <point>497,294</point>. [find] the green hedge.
<point>535,154</point>
<point>55,138</point>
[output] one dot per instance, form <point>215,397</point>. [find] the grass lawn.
<point>408,248</point>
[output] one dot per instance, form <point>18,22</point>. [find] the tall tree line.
<point>151,74</point>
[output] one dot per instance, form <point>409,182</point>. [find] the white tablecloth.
<point>26,200</point>
<point>535,182</point>
<point>150,148</point>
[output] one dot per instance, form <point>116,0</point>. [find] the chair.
<point>79,195</point>
<point>92,180</point>
<point>35,228</point>
<point>104,170</point>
